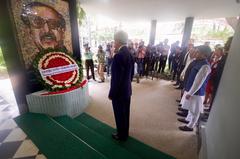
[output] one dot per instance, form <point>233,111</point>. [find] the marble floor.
<point>14,143</point>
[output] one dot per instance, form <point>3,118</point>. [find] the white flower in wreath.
<point>68,85</point>
<point>57,86</point>
<point>44,62</point>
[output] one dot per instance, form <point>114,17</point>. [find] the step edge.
<point>77,137</point>
<point>123,148</point>
<point>130,136</point>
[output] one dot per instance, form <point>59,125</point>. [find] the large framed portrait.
<point>41,24</point>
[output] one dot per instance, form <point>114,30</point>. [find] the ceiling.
<point>162,10</point>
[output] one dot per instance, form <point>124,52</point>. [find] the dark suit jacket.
<point>219,71</point>
<point>121,74</point>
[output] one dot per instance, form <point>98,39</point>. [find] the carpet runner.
<point>81,138</point>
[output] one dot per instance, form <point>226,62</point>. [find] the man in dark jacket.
<point>220,67</point>
<point>121,88</point>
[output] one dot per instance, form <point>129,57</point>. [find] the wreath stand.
<point>70,103</point>
<point>61,75</point>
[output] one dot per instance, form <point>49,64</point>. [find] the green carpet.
<point>81,138</point>
<point>95,140</point>
<point>54,141</point>
<point>132,145</point>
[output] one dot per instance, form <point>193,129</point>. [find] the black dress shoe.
<point>183,120</point>
<point>185,128</point>
<point>207,110</point>
<point>115,136</point>
<point>182,114</point>
<point>183,110</point>
<point>176,84</point>
<point>178,88</point>
<point>178,101</point>
<point>204,117</point>
<point>179,105</point>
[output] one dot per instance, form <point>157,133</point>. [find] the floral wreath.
<point>57,70</point>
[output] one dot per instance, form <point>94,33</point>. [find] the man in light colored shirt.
<point>164,56</point>
<point>190,56</point>
<point>101,63</point>
<point>109,56</point>
<point>141,52</point>
<point>88,56</point>
<point>195,81</point>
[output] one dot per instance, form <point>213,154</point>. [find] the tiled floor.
<point>14,143</point>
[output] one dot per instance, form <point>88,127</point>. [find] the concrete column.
<point>153,32</point>
<point>187,31</point>
<point>223,128</point>
<point>73,11</point>
<point>15,66</point>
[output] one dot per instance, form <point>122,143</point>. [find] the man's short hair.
<point>121,36</point>
<point>27,10</point>
<point>205,50</point>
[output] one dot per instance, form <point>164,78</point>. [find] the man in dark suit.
<point>121,88</point>
<point>220,68</point>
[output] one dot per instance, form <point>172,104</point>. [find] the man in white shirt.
<point>195,80</point>
<point>164,56</point>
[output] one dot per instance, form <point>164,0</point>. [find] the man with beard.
<point>46,25</point>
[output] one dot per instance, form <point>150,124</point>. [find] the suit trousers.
<point>162,64</point>
<point>121,108</point>
<point>89,65</point>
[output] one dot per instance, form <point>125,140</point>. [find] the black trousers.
<point>89,65</point>
<point>175,72</point>
<point>148,66</point>
<point>156,64</point>
<point>162,64</point>
<point>170,66</point>
<point>179,72</point>
<point>140,63</point>
<point>121,108</point>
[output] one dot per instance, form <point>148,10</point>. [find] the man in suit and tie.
<point>121,89</point>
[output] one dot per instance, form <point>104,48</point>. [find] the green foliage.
<point>3,68</point>
<point>81,14</point>
<point>216,31</point>
<point>2,62</point>
<point>103,35</point>
<point>216,34</point>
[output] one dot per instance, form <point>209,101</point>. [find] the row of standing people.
<point>199,80</point>
<point>150,58</point>
<point>103,57</point>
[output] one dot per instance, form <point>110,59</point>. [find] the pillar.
<point>73,12</point>
<point>187,31</point>
<point>153,32</point>
<point>15,67</point>
<point>223,128</point>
